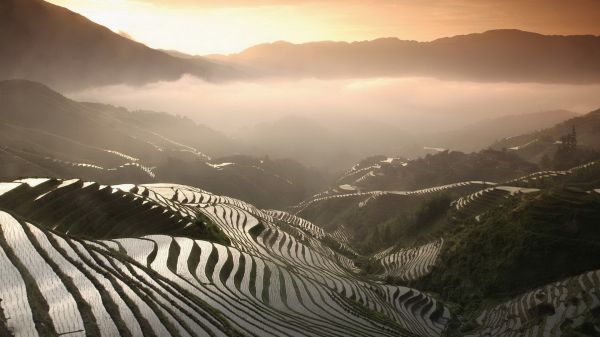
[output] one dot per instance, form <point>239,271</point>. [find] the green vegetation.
<point>529,241</point>
<point>568,154</point>
<point>386,220</point>
<point>450,167</point>
<point>207,230</point>
<point>411,226</point>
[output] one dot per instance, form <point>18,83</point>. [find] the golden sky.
<point>218,26</point>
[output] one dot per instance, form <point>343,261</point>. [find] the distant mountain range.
<point>334,147</point>
<point>50,44</point>
<point>496,55</point>
<point>476,136</point>
<point>536,145</point>
<point>46,43</point>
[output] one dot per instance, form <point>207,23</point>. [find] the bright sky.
<point>215,26</point>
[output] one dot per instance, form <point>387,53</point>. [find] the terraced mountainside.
<point>383,200</point>
<point>542,145</point>
<point>526,268</point>
<point>452,244</point>
<point>478,244</point>
<point>112,145</point>
<point>414,216</point>
<point>272,280</point>
<point>82,258</point>
<point>442,168</point>
<point>479,135</point>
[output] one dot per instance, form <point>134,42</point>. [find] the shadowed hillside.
<point>47,43</point>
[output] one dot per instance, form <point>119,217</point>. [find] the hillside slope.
<point>478,136</point>
<point>113,145</point>
<point>534,146</point>
<point>275,278</point>
<point>141,260</point>
<point>50,44</point>
<point>174,260</point>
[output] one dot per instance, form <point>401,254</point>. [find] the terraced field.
<point>275,278</point>
<point>472,197</point>
<point>79,258</point>
<point>476,203</point>
<point>547,311</point>
<point>88,209</point>
<point>367,196</point>
<point>538,178</point>
<point>409,264</point>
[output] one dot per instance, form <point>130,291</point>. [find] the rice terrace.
<point>266,168</point>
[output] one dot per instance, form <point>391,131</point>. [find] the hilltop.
<point>43,42</point>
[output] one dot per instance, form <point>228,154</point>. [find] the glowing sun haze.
<point>213,26</point>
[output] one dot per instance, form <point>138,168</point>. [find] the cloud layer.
<point>423,104</point>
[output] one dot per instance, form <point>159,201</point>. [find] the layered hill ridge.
<point>534,146</point>
<point>43,42</point>
<point>348,141</point>
<point>479,135</point>
<point>113,145</point>
<point>47,43</point>
<point>479,243</point>
<point>496,55</point>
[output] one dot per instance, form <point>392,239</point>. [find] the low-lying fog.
<point>350,118</point>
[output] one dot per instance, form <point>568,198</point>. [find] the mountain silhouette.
<point>43,42</point>
<point>495,55</point>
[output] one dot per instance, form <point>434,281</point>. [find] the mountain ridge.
<point>51,44</point>
<point>112,144</point>
<point>495,55</point>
